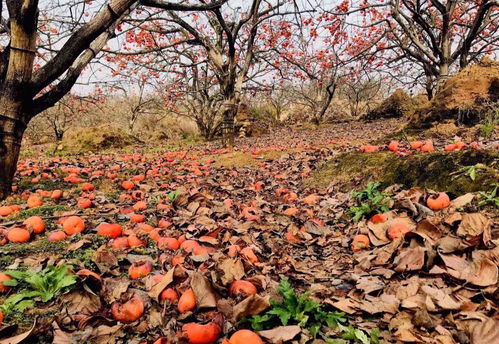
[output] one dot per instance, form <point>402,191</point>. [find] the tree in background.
<point>438,36</point>
<point>221,51</point>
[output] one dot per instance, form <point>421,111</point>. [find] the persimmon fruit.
<point>18,234</point>
<point>73,225</point>
<point>187,301</point>
<point>397,230</point>
<point>140,269</point>
<point>169,294</point>
<point>242,287</point>
<point>201,334</point>
<point>360,241</point>
<point>244,337</point>
<point>56,236</point>
<point>129,311</point>
<point>35,223</point>
<point>110,230</point>
<point>34,201</point>
<point>3,288</point>
<point>438,202</point>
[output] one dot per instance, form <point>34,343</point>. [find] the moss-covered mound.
<point>399,104</point>
<point>95,139</point>
<point>440,171</point>
<point>466,97</point>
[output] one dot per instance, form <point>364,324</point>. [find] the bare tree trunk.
<point>11,133</point>
<point>325,105</point>
<point>15,98</point>
<point>229,115</point>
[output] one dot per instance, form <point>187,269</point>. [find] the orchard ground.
<point>278,206</point>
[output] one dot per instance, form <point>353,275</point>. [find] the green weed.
<point>370,200</point>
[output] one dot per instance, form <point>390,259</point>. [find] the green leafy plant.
<point>471,171</point>
<point>173,195</point>
<point>491,197</point>
<point>40,286</point>
<point>370,200</point>
<point>301,310</point>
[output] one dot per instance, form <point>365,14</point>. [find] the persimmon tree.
<point>32,79</point>
<point>221,51</point>
<point>322,53</point>
<point>438,36</point>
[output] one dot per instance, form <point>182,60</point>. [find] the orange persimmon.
<point>187,301</point>
<point>73,225</point>
<point>18,234</point>
<point>34,201</point>
<point>110,230</point>
<point>56,236</point>
<point>140,269</point>
<point>438,201</point>
<point>201,334</point>
<point>242,287</point>
<point>35,223</point>
<point>3,288</point>
<point>360,241</point>
<point>128,311</point>
<point>244,337</point>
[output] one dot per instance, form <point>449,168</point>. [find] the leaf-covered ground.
<point>202,218</point>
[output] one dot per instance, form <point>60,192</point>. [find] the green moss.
<point>405,134</point>
<point>41,245</point>
<point>5,260</point>
<point>438,171</point>
<point>44,210</point>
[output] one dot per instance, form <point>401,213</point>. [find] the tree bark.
<point>11,133</point>
<point>15,102</point>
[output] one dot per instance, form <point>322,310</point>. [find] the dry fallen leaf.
<point>280,334</point>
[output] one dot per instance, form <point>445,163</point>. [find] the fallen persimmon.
<point>359,242</point>
<point>119,243</point>
<point>110,230</point>
<point>168,243</point>
<point>242,287</point>
<point>6,211</point>
<point>140,269</point>
<point>128,185</point>
<point>248,253</point>
<point>73,225</point>
<point>393,146</point>
<point>87,187</point>
<point>416,144</point>
<point>187,301</point>
<point>3,288</point>
<point>35,223</point>
<point>201,334</point>
<point>438,201</point>
<point>189,245</point>
<point>134,241</point>
<point>169,294</point>
<point>34,201</point>
<point>137,218</point>
<point>244,337</point>
<point>18,234</point>
<point>378,218</point>
<point>128,311</point>
<point>56,236</point>
<point>428,147</point>
<point>397,230</point>
<point>56,195</point>
<point>84,203</point>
